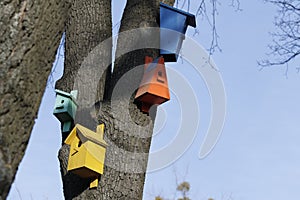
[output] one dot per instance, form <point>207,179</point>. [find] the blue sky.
<point>257,155</point>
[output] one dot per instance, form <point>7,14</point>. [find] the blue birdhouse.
<point>65,108</point>
<point>173,24</point>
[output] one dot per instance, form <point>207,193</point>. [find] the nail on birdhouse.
<point>154,85</point>
<point>174,23</point>
<point>87,152</point>
<point>65,109</point>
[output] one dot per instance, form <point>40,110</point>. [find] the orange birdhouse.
<point>154,86</point>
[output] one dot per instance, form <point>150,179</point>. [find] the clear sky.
<point>257,155</point>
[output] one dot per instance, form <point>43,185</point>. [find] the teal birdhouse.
<point>65,109</point>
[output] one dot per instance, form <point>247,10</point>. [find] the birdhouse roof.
<point>72,95</point>
<point>86,134</point>
<point>191,20</point>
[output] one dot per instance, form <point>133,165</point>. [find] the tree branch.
<point>286,43</point>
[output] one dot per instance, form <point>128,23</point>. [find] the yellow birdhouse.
<point>87,152</point>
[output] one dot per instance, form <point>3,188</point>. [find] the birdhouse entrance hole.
<point>79,143</point>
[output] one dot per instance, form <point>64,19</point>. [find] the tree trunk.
<point>88,25</point>
<point>127,130</point>
<point>30,34</point>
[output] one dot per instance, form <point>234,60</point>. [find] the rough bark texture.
<point>88,25</point>
<point>127,130</point>
<point>30,34</point>
<point>169,2</point>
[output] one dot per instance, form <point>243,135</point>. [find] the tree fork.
<point>127,154</point>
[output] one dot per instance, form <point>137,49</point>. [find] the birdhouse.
<point>154,86</point>
<point>65,108</point>
<point>87,152</point>
<point>174,23</point>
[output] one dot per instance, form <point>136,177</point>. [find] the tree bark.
<point>169,2</point>
<point>88,25</point>
<point>127,130</point>
<point>30,34</point>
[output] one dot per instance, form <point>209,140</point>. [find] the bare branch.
<point>211,19</point>
<point>236,4</point>
<point>214,43</point>
<point>286,43</point>
<point>18,191</point>
<point>209,13</point>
